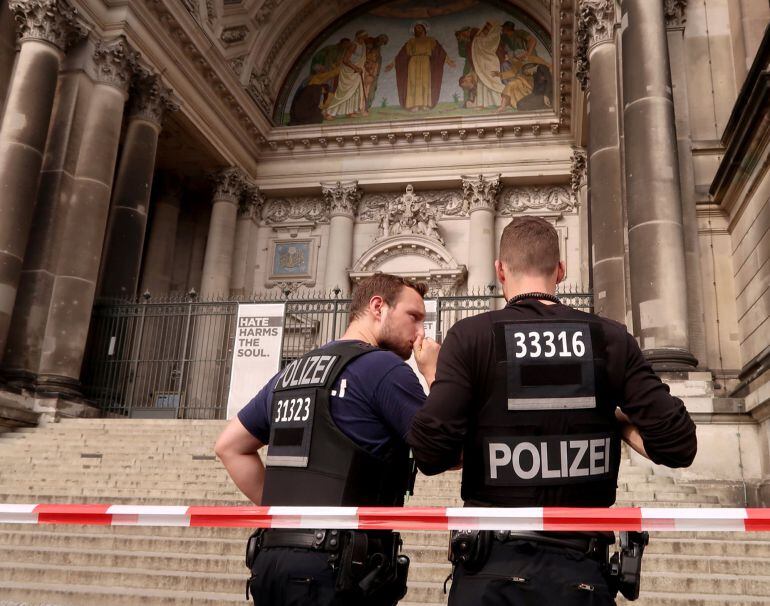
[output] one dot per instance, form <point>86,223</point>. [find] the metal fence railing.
<point>171,358</point>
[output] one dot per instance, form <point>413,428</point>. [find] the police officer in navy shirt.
<point>336,421</point>
<point>526,398</point>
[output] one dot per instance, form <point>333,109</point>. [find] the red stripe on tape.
<point>406,518</point>
<point>592,518</point>
<point>757,520</point>
<point>74,514</point>
<point>234,517</point>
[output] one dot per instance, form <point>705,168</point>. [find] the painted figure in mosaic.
<point>419,70</point>
<point>349,98</point>
<point>322,81</point>
<point>372,66</point>
<point>467,81</point>
<point>486,63</point>
<point>519,78</point>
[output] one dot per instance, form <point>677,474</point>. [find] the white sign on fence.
<point>430,331</point>
<point>256,351</point>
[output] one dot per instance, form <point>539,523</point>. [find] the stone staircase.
<point>172,463</point>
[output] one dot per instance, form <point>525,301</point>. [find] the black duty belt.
<point>594,547</point>
<point>315,539</point>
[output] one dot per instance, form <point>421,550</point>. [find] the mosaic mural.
<point>422,58</point>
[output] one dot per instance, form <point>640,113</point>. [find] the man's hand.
<point>426,355</point>
<point>630,433</point>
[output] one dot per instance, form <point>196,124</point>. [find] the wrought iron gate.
<point>171,358</point>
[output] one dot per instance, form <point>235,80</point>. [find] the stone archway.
<point>416,257</point>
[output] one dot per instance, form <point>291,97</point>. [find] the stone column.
<point>46,28</point>
<point>343,199</point>
<point>655,236</point>
<point>675,22</point>
<point>133,184</point>
<point>82,230</point>
<point>579,186</point>
<point>159,258</point>
<point>597,72</point>
<point>218,260</point>
<point>198,250</point>
<point>245,236</point>
<point>480,197</point>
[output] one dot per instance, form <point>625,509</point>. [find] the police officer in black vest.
<point>525,399</point>
<point>336,421</point>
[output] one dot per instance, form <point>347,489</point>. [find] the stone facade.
<point>655,178</point>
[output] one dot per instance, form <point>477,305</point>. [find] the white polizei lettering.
<point>287,374</point>
<point>564,459</point>
<point>343,386</point>
<point>324,367</point>
<point>575,470</point>
<point>607,452</point>
<point>309,365</point>
<point>516,459</point>
<point>297,374</point>
<point>496,461</point>
<point>547,473</point>
<point>597,455</point>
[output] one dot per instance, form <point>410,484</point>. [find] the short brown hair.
<point>530,245</point>
<point>386,286</point>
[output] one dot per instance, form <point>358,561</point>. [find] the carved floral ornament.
<point>596,21</point>
<point>480,192</point>
<point>115,62</point>
<point>342,198</point>
<point>150,98</point>
<point>52,21</point>
<point>675,12</point>
<point>409,214</point>
<point>229,184</point>
<point>579,169</point>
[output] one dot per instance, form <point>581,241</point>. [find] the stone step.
<point>35,498</point>
<point>138,578</point>
<point>34,593</point>
<point>654,598</point>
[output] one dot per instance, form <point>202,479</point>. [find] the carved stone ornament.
<point>229,184</point>
<point>343,198</point>
<point>280,210</point>
<point>373,206</point>
<point>480,193</point>
<point>237,64</point>
<point>233,35</point>
<point>115,62</point>
<point>675,12</point>
<point>557,198</point>
<point>265,11</point>
<point>259,88</point>
<point>578,169</point>
<point>251,203</point>
<point>52,21</point>
<point>409,214</point>
<point>150,98</point>
<point>596,20</point>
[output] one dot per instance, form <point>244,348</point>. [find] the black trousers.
<point>282,576</point>
<point>521,573</point>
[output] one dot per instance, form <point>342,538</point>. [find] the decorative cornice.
<point>52,21</point>
<point>480,192</point>
<point>229,184</point>
<point>150,99</point>
<point>115,62</point>
<point>578,169</point>
<point>557,198</point>
<point>675,13</point>
<point>596,21</point>
<point>343,198</point>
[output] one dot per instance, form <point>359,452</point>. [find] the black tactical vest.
<point>546,436</point>
<point>309,460</point>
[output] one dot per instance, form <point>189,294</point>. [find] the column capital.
<point>229,184</point>
<point>251,203</point>
<point>596,21</point>
<point>52,21</point>
<point>150,98</point>
<point>342,197</point>
<point>115,62</point>
<point>675,13</point>
<point>480,192</point>
<point>578,170</point>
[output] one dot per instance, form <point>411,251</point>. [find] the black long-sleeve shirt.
<point>465,375</point>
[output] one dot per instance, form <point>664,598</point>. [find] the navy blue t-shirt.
<point>377,396</point>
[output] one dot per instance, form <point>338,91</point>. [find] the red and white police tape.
<point>396,518</point>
